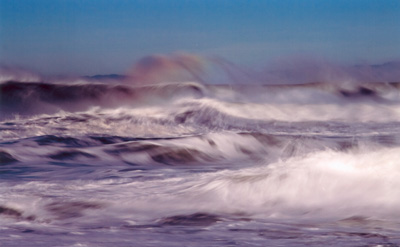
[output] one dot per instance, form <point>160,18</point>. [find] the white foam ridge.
<point>321,185</point>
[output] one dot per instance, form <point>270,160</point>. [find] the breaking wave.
<point>100,159</point>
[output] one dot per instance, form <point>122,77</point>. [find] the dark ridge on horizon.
<point>395,64</point>
<point>370,72</point>
<point>390,64</point>
<point>225,72</point>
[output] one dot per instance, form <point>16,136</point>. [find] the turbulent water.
<point>190,164</point>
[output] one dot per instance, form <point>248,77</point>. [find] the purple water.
<point>190,164</point>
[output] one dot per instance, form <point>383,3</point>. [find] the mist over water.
<point>198,151</point>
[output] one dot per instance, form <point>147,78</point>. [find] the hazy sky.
<point>86,37</point>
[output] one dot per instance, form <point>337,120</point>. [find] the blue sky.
<point>86,37</point>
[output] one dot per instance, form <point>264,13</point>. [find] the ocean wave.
<point>205,106</point>
<point>319,185</point>
<point>40,97</point>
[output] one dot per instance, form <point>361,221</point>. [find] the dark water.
<point>92,164</point>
